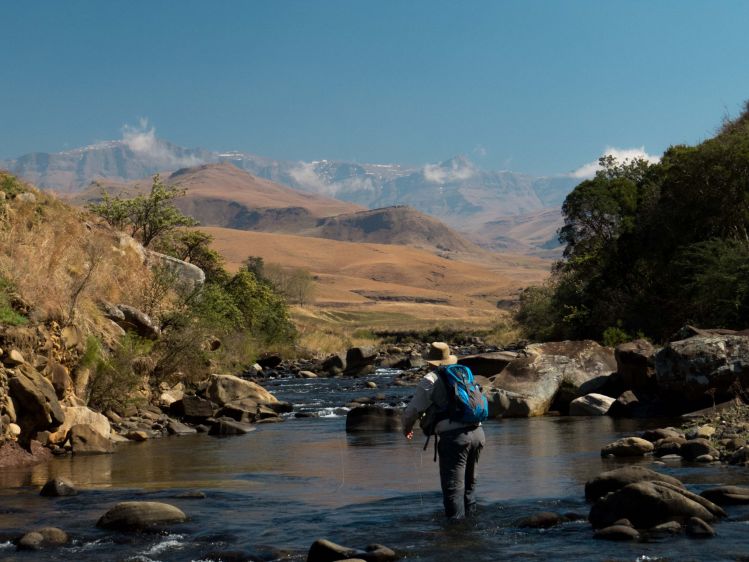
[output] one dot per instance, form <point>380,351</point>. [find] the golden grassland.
<point>365,288</point>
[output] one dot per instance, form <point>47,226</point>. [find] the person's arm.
<point>419,403</point>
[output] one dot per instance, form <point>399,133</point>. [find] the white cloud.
<point>306,174</point>
<point>142,140</point>
<point>459,169</point>
<point>621,154</point>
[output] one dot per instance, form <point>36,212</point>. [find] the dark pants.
<point>459,452</point>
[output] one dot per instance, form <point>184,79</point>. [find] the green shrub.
<point>8,315</point>
<point>614,335</point>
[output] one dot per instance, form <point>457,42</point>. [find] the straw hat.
<point>439,354</point>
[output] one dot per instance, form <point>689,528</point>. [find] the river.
<point>271,493</point>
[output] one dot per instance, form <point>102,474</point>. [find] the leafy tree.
<point>146,216</point>
<point>194,246</point>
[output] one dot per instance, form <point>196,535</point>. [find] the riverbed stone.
<point>667,528</point>
<point>323,550</point>
<point>139,515</point>
<point>668,446</point>
<point>175,427</point>
<point>223,389</point>
<point>541,520</point>
<point>227,427</point>
<point>373,418</point>
<point>58,487</point>
<point>727,495</point>
<point>306,375</point>
<point>360,361</point>
<point>554,372</point>
<point>654,435</point>
<point>694,448</point>
<point>699,529</point>
<point>45,537</point>
<point>617,533</point>
<point>613,480</point>
<point>334,364</point>
<point>591,405</point>
<point>647,504</point>
<point>628,447</point>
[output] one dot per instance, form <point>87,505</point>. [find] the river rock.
<point>541,520</point>
<point>699,529</point>
<point>85,440</point>
<point>137,515</point>
<point>668,446</point>
<point>334,365</point>
<point>75,415</point>
<point>58,487</point>
<point>488,364</point>
<point>694,448</point>
<point>555,370</point>
<point>193,408</point>
<point>624,406</point>
<point>306,375</point>
<point>323,550</point>
<point>727,495</point>
<point>46,537</point>
<point>635,364</point>
<point>613,480</point>
<point>617,533</point>
<point>686,369</point>
<point>175,427</point>
<point>628,447</point>
<point>223,389</point>
<point>227,427</point>
<point>360,361</point>
<point>591,405</point>
<point>654,435</point>
<point>373,418</point>
<point>667,528</point>
<point>647,504</point>
<point>38,408</point>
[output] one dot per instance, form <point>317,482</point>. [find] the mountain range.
<point>456,191</point>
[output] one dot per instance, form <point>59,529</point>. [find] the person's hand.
<point>410,435</point>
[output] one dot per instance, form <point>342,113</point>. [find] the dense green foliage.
<point>8,315</point>
<point>649,248</point>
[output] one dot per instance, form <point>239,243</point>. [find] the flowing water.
<point>271,493</point>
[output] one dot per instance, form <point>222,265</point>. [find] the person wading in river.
<point>459,443</point>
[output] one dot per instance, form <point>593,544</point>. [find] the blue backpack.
<point>456,396</point>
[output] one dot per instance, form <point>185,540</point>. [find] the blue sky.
<point>533,86</point>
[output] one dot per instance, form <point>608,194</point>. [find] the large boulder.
<point>373,418</point>
<point>488,364</point>
<point>189,275</point>
<point>223,389</point>
<point>635,363</point>
<point>591,405</point>
<point>36,404</point>
<point>647,504</point>
<point>75,415</point>
<point>137,515</point>
<point>613,480</point>
<point>688,369</point>
<point>727,495</point>
<point>555,372</point>
<point>193,408</point>
<point>85,440</point>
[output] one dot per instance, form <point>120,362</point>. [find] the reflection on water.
<point>288,484</point>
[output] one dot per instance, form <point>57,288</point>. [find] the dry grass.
<point>62,262</point>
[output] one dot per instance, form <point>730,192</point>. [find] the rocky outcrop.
<point>360,361</point>
<point>703,368</point>
<point>373,418</point>
<point>36,404</point>
<point>136,321</point>
<point>553,372</point>
<point>136,515</point>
